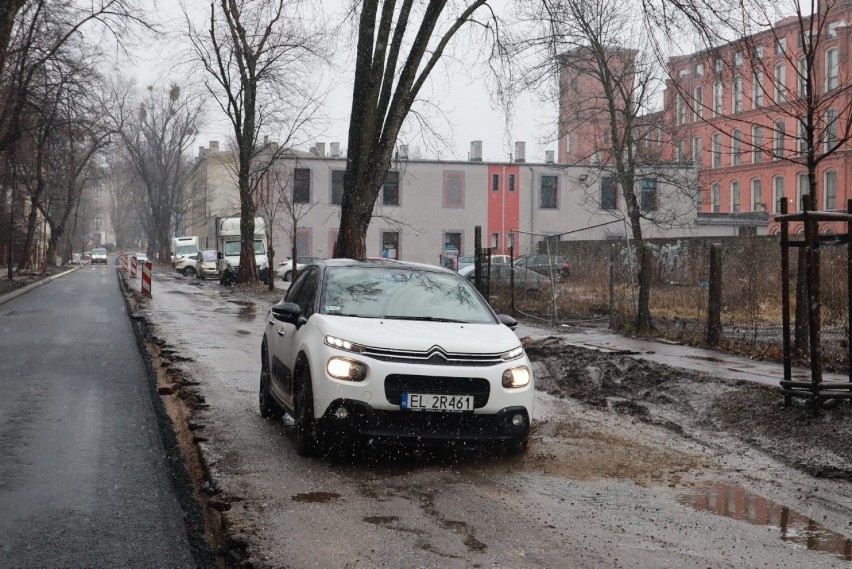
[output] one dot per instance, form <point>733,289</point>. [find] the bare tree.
<point>390,70</point>
<point>158,136</point>
<point>259,56</point>
<point>607,80</point>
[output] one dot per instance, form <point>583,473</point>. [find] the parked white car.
<point>285,268</point>
<point>373,350</point>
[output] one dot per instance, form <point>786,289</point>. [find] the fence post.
<point>146,278</point>
<point>477,258</point>
<point>714,309</point>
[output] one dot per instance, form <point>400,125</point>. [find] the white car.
<point>186,265</point>
<point>99,255</point>
<point>285,268</point>
<point>391,350</point>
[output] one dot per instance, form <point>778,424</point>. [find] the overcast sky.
<point>460,93</point>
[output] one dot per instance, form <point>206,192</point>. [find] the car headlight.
<point>516,377</point>
<point>512,354</point>
<point>341,344</point>
<point>349,370</point>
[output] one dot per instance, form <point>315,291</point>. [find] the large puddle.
<point>736,502</point>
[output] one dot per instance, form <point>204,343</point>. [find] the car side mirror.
<point>288,312</point>
<point>507,321</point>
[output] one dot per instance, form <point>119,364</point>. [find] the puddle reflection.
<point>736,502</point>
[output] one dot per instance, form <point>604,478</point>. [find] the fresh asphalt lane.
<point>84,474</point>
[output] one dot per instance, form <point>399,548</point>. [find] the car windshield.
<point>402,293</point>
<point>99,252</point>
<point>208,255</point>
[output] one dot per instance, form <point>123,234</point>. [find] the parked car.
<point>543,264</point>
<point>285,268</point>
<point>469,260</point>
<point>141,258</point>
<point>186,265</point>
<point>99,255</point>
<point>366,350</point>
<point>525,279</point>
<point>205,264</point>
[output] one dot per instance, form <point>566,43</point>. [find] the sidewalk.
<point>697,360</point>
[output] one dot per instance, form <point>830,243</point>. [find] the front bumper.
<point>424,426</point>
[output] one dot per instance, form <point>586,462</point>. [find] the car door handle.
<point>271,321</point>
<point>281,331</point>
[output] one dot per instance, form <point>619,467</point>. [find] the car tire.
<point>287,276</point>
<point>189,271</point>
<point>303,401</point>
<point>269,409</point>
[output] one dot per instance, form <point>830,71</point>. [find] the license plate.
<point>430,402</point>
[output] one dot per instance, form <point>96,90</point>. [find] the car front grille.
<point>397,384</point>
<point>433,356</point>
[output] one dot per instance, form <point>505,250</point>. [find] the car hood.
<point>419,336</point>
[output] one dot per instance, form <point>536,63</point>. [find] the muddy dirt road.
<point>631,464</point>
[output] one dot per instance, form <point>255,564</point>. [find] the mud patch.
<point>316,497</point>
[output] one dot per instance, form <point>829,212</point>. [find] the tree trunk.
<point>24,261</point>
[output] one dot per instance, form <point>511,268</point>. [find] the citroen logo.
<point>436,352</point>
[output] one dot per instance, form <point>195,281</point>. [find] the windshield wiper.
<point>425,319</point>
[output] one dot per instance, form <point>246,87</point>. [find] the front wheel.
<point>306,439</point>
<point>269,409</point>
<point>189,271</point>
<point>287,276</point>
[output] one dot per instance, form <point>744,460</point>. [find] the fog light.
<point>517,420</point>
<point>341,413</point>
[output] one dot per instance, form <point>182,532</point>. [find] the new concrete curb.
<point>23,290</point>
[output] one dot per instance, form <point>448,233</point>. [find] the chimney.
<point>520,151</point>
<point>202,152</point>
<point>321,149</point>
<point>548,156</point>
<point>335,150</point>
<point>403,152</point>
<point>476,151</point>
<point>312,150</point>
<point>214,146</point>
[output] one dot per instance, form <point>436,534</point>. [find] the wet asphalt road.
<point>84,475</point>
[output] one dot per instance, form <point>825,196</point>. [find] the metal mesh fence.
<point>601,287</point>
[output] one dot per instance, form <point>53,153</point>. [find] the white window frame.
<point>801,188</point>
<point>715,201</point>
<point>737,97</point>
<point>698,103</point>
<point>757,89</point>
<point>736,147</point>
<point>778,135</point>
<point>718,91</point>
<point>735,196</point>
<point>756,194</point>
<point>716,150</point>
<point>832,68</point>
<point>756,144</point>
<point>779,82</point>
<point>777,192</point>
<point>826,186</point>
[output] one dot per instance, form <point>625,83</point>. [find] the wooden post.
<point>849,290</point>
<point>714,310</point>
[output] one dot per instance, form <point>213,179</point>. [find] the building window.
<point>511,182</point>
<point>736,147</point>
<point>495,182</point>
<point>801,137</point>
<point>735,196</point>
<point>758,51</point>
<point>717,65</point>
<point>680,117</point>
<point>699,69</point>
<point>715,206</point>
<point>802,76</point>
<point>737,100</point>
<point>304,237</point>
<point>679,151</point>
<point>453,239</point>
<point>756,195</point>
<point>301,185</point>
<point>454,189</point>
<point>717,98</point>
<point>698,103</point>
<point>756,144</point>
<point>832,69</point>
<point>830,185</point>
<point>780,46</point>
<point>778,140</point>
<point>802,188</point>
<point>696,151</point>
<point>648,194</point>
<point>780,82</point>
<point>495,240</point>
<point>337,186</point>
<point>716,150</point>
<point>609,195</point>
<point>757,89</point>
<point>390,189</point>
<point>738,58</point>
<point>830,129</point>
<point>831,31</point>
<point>549,192</point>
<point>390,244</point>
<point>777,193</point>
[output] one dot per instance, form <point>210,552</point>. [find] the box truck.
<point>223,234</point>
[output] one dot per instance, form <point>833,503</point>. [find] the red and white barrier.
<point>132,266</point>
<point>146,278</point>
<point>122,261</point>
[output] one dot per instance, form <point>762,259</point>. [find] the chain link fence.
<point>602,288</point>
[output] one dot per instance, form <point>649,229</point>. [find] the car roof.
<point>380,262</point>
